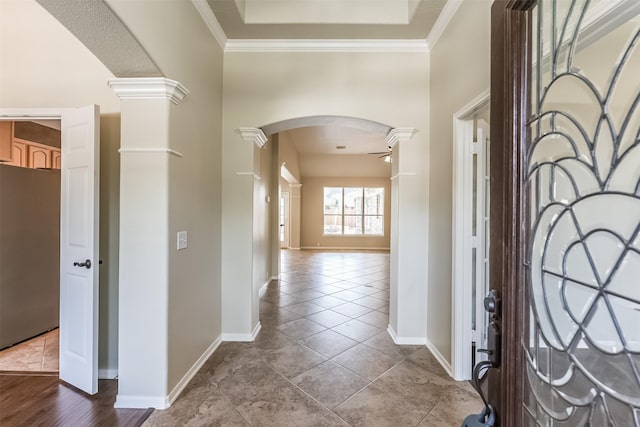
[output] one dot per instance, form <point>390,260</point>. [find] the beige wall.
<point>459,73</point>
<point>43,65</point>
<point>312,217</point>
<point>288,154</point>
<point>266,88</point>
<point>194,302</point>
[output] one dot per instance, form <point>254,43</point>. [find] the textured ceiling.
<point>425,15</point>
<point>324,139</point>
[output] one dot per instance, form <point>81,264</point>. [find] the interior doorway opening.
<point>30,162</point>
<point>470,235</point>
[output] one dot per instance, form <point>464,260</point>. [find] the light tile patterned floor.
<point>39,354</point>
<point>323,358</point>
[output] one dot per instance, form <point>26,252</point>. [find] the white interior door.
<point>79,248</point>
<point>480,235</point>
<point>284,220</point>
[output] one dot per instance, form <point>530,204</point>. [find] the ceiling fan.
<point>384,154</point>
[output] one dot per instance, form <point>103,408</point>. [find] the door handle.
<point>86,264</point>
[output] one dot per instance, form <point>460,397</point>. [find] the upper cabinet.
<point>26,153</point>
<point>6,136</point>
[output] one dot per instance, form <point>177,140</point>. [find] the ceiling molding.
<point>398,135</point>
<point>148,88</point>
<point>325,45</point>
<point>254,135</point>
<point>211,21</point>
<point>448,12</point>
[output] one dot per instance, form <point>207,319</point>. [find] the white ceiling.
<point>327,19</point>
<point>314,140</point>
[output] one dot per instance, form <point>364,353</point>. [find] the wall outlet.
<point>182,240</point>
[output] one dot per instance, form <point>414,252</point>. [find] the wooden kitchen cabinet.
<point>19,150</point>
<point>39,156</point>
<point>56,159</point>
<point>6,137</point>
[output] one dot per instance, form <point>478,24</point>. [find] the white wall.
<point>459,73</point>
<point>43,65</point>
<point>266,88</point>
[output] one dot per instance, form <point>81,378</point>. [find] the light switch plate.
<point>182,240</point>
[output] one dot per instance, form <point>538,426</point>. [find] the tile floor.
<point>323,358</point>
<point>39,354</point>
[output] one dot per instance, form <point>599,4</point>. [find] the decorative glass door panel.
<point>581,337</point>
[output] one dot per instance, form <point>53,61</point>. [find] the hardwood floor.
<point>33,400</point>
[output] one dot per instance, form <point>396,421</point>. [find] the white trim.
<point>345,248</point>
<point>286,174</point>
<point>326,45</point>
<point>254,135</point>
<point>150,150</point>
<point>439,357</point>
<point>263,288</point>
<point>448,12</point>
<point>140,402</point>
<point>243,337</point>
<point>255,176</point>
<point>184,381</point>
<point>148,88</point>
<point>396,135</point>
<point>462,219</point>
<point>210,21</point>
<point>295,185</point>
<point>107,374</point>
<point>32,113</point>
<point>399,174</point>
<point>405,340</point>
<point>144,402</point>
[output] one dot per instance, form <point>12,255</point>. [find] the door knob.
<point>86,264</point>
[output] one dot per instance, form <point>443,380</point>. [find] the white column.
<point>144,239</point>
<point>240,299</point>
<point>294,216</point>
<point>408,294</point>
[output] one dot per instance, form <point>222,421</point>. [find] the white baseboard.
<point>144,402</point>
<point>263,289</point>
<point>173,395</point>
<point>405,340</point>
<point>343,248</point>
<point>243,337</point>
<point>440,358</point>
<point>140,402</point>
<point>107,374</point>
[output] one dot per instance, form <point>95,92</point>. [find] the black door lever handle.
<point>86,264</point>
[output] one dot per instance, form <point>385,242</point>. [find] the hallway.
<point>323,358</point>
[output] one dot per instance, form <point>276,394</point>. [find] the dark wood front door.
<point>565,211</point>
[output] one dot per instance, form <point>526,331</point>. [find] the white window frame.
<point>362,216</point>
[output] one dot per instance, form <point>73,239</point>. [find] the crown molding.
<point>254,135</point>
<point>148,88</point>
<point>445,17</point>
<point>211,21</point>
<point>321,45</point>
<point>398,135</point>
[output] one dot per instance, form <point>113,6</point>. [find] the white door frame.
<point>284,244</point>
<point>43,114</point>
<point>461,245</point>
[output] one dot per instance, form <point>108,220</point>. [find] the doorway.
<point>283,216</point>
<point>30,156</point>
<point>470,235</point>
<point>78,237</point>
<point>565,138</point>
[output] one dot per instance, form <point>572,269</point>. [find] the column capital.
<point>148,88</point>
<point>398,135</point>
<point>254,135</point>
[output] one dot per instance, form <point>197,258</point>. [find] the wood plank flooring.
<point>33,400</point>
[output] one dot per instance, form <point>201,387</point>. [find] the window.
<point>353,211</point>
